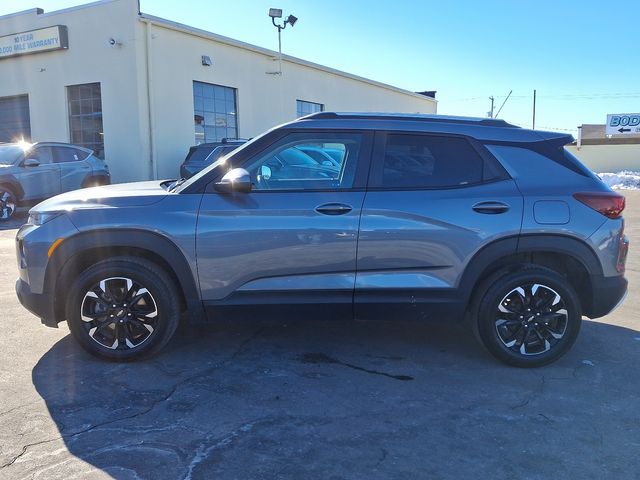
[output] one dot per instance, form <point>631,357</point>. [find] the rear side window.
<point>427,161</point>
<point>65,154</point>
<point>199,155</point>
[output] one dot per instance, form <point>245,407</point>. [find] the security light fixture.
<point>206,61</point>
<point>290,20</point>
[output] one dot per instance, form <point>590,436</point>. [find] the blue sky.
<point>580,56</point>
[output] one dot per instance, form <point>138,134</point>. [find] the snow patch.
<point>625,180</point>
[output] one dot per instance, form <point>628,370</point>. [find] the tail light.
<point>609,204</point>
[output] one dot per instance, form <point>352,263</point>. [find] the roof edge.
<point>180,27</point>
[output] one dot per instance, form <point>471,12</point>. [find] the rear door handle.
<point>333,209</point>
<point>491,208</point>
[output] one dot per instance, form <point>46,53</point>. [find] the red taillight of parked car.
<point>608,204</point>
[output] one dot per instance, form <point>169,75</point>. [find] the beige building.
<point>606,154</point>
<point>140,90</point>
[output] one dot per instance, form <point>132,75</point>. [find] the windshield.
<point>9,154</point>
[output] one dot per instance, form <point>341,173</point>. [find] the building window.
<point>215,113</point>
<point>85,116</point>
<point>305,108</point>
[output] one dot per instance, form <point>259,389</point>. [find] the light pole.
<point>290,20</point>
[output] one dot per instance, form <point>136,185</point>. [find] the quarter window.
<point>215,112</point>
<point>289,166</point>
<point>425,161</point>
<point>305,108</point>
<point>85,116</point>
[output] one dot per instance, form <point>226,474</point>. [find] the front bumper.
<point>40,304</point>
<point>608,293</point>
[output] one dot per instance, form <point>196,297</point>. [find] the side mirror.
<point>30,162</point>
<point>236,180</point>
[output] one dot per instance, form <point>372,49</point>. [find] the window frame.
<point>71,116</point>
<point>379,148</point>
<point>246,156</point>
<point>197,111</point>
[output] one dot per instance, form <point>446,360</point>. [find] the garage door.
<point>14,118</point>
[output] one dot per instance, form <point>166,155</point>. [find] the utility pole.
<point>534,110</point>
<point>491,111</point>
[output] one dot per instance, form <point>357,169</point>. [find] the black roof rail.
<point>411,117</point>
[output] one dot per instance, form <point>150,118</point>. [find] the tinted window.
<point>287,167</point>
<point>66,154</point>
<point>417,161</point>
<point>199,155</point>
<point>42,154</point>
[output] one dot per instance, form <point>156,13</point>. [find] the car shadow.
<point>304,399</point>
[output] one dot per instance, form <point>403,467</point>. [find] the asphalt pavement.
<point>297,399</point>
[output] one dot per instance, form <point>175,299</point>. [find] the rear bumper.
<point>40,304</point>
<point>608,293</point>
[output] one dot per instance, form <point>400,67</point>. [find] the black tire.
<point>123,309</point>
<point>8,203</point>
<point>525,325</point>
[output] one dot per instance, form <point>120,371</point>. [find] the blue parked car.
<point>30,173</point>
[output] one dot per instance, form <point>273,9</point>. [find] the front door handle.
<point>333,209</point>
<point>491,208</point>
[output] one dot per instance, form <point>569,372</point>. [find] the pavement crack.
<point>323,358</point>
<point>164,398</point>
<point>17,408</point>
<point>204,449</point>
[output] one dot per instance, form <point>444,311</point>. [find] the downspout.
<point>153,166</point>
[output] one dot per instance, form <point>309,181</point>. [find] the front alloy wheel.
<point>119,313</point>
<point>123,308</point>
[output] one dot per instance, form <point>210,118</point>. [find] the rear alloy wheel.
<point>123,309</point>
<point>7,203</point>
<point>529,318</point>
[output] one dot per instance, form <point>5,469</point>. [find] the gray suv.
<point>30,173</point>
<point>419,217</point>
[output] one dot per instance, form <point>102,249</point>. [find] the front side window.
<point>42,154</point>
<point>289,166</point>
<point>215,112</point>
<point>426,161</point>
<point>305,108</point>
<point>85,116</point>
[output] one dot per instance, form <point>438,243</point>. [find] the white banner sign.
<point>623,124</point>
<point>34,41</point>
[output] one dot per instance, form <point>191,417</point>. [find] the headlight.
<point>40,218</point>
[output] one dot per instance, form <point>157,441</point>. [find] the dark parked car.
<point>30,173</point>
<point>205,154</point>
<point>423,217</point>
